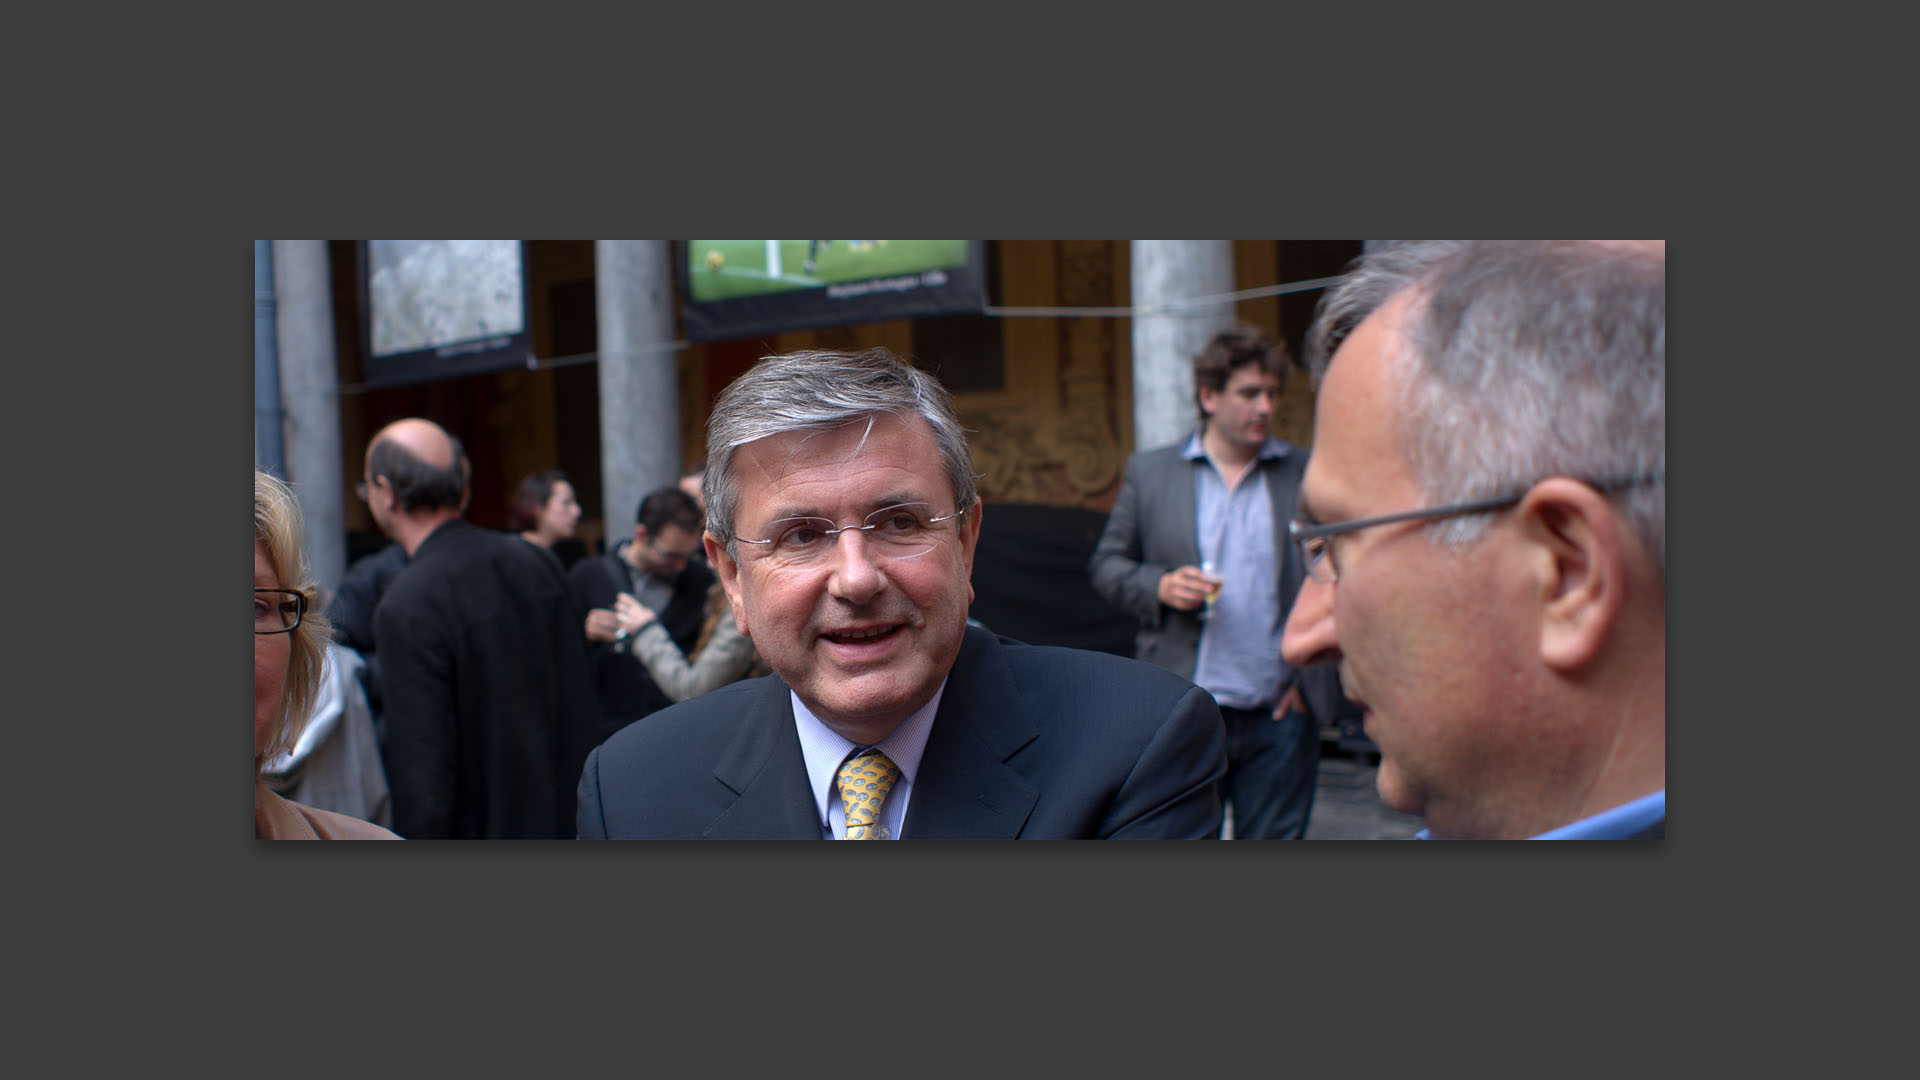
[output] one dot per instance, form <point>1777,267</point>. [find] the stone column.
<point>639,377</point>
<point>1166,335</point>
<point>269,455</point>
<point>310,391</point>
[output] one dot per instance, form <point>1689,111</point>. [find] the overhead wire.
<point>1192,305</point>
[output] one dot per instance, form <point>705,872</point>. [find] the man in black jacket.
<point>655,568</point>
<point>352,605</point>
<point>490,709</point>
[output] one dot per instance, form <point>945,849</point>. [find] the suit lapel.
<point>764,765</point>
<point>964,787</point>
<point>1185,519</point>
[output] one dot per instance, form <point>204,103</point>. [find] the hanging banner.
<point>745,288</point>
<point>439,309</point>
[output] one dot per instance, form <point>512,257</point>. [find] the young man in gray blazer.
<point>1196,549</point>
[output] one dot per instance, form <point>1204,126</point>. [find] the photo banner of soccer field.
<point>742,288</point>
<point>440,309</point>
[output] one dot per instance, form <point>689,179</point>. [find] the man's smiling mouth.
<point>858,637</point>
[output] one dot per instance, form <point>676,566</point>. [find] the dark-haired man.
<point>656,568</point>
<point>1207,517</point>
<point>489,706</point>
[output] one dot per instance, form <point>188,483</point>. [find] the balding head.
<point>421,463</point>
<point>427,441</point>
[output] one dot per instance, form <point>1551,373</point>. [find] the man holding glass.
<point>1195,549</point>
<point>1484,524</point>
<point>842,520</point>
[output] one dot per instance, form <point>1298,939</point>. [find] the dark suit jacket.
<point>353,603</point>
<point>490,710</point>
<point>1030,742</point>
<point>351,612</point>
<point>1151,530</point>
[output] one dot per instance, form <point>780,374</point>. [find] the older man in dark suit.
<point>842,521</point>
<point>490,708</point>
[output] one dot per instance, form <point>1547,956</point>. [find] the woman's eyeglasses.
<point>276,611</point>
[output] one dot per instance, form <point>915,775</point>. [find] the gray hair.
<point>818,391</point>
<point>1526,360</point>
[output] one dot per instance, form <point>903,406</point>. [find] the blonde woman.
<point>289,647</point>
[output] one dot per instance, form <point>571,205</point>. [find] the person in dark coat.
<point>351,612</point>
<point>652,570</point>
<point>351,607</point>
<point>490,709</point>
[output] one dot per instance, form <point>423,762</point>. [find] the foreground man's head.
<point>1504,405</point>
<point>842,519</point>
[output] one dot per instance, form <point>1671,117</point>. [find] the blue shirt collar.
<point>1618,823</point>
<point>1615,824</point>
<point>1275,447</point>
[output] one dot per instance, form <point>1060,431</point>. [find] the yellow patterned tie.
<point>864,782</point>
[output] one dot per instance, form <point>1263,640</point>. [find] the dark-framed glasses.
<point>903,531</point>
<point>276,611</point>
<point>1315,542</point>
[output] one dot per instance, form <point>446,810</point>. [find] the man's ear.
<point>970,541</point>
<point>1209,401</point>
<point>1582,586</point>
<point>728,572</point>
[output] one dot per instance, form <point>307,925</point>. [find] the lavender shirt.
<point>1239,661</point>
